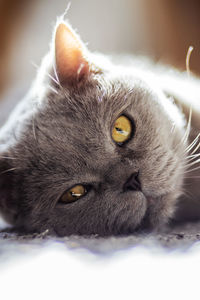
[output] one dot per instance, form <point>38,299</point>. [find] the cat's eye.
<point>73,194</point>
<point>122,130</point>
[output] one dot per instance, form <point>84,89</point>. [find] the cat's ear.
<point>71,55</point>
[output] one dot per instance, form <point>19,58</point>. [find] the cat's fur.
<point>60,135</point>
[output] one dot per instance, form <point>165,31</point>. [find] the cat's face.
<point>68,172</point>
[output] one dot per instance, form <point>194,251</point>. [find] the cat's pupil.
<point>119,130</point>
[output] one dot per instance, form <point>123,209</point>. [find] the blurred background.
<point>162,29</point>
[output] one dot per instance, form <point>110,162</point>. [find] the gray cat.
<point>98,146</point>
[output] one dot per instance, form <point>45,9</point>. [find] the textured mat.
<point>181,237</point>
<point>155,266</point>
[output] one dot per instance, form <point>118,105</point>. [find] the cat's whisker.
<point>191,158</point>
<point>187,60</point>
<point>187,131</point>
<point>193,155</point>
<point>195,150</point>
<point>188,160</point>
<point>191,170</point>
<point>193,163</point>
<point>192,144</point>
<point>186,192</point>
<point>8,157</point>
<point>191,177</point>
<point>186,135</point>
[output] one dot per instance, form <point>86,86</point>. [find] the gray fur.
<point>59,136</point>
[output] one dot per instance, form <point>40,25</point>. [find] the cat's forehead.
<point>74,126</point>
<point>101,98</point>
<point>78,124</point>
<point>87,115</point>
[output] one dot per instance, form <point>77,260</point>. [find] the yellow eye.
<point>73,194</point>
<point>122,130</point>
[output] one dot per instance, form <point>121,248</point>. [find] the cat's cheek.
<point>35,222</point>
<point>110,214</point>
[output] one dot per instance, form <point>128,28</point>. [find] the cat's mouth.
<point>145,225</point>
<point>149,222</point>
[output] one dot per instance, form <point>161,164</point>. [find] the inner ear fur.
<point>71,55</point>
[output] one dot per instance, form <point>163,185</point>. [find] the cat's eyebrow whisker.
<point>34,64</point>
<point>100,98</point>
<point>56,75</point>
<point>52,78</point>
<point>128,93</point>
<point>187,131</point>
<point>33,127</point>
<point>9,170</point>
<point>172,128</point>
<point>48,137</point>
<point>66,10</point>
<point>54,90</point>
<point>49,75</point>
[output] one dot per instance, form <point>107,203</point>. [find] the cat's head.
<point>93,149</point>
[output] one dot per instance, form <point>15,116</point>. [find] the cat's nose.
<point>133,183</point>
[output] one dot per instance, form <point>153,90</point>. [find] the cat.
<point>99,145</point>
